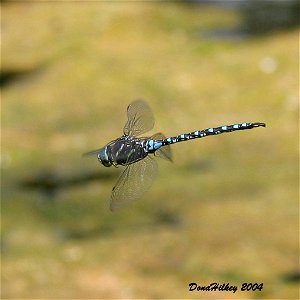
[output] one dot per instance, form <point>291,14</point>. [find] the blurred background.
<point>225,211</point>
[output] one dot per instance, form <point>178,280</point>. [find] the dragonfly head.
<point>103,157</point>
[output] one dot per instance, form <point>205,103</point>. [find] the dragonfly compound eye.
<point>103,158</point>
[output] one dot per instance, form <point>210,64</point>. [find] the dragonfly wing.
<point>140,118</point>
<point>135,180</point>
<point>92,153</point>
<point>165,151</point>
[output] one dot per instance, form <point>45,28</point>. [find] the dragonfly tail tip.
<point>259,124</point>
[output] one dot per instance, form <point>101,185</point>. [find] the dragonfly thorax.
<point>123,151</point>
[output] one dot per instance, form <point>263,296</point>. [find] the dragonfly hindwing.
<point>163,152</point>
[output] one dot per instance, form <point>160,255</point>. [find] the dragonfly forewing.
<point>140,118</point>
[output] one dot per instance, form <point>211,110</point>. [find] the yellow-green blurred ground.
<point>233,198</point>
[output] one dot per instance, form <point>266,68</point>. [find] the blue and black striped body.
<point>132,152</point>
<point>153,145</point>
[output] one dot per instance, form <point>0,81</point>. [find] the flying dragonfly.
<point>135,153</point>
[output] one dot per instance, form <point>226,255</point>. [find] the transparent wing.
<point>165,151</point>
<point>97,151</point>
<point>135,180</point>
<point>92,153</point>
<point>140,118</point>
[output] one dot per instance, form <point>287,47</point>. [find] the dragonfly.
<point>136,153</point>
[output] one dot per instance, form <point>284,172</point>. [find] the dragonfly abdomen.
<point>206,132</point>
